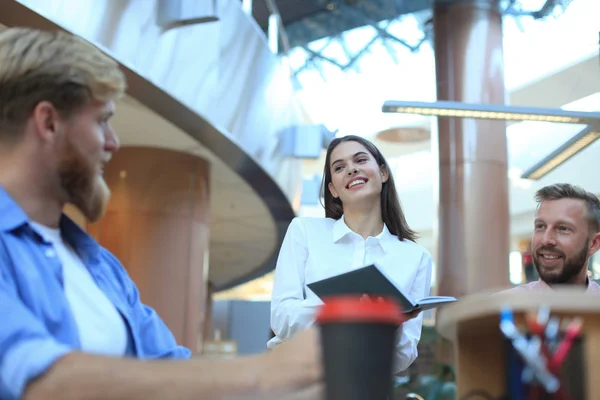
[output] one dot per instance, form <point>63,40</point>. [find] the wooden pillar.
<point>473,247</point>
<point>157,224</point>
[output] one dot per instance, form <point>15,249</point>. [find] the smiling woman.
<point>364,224</point>
<point>349,152</point>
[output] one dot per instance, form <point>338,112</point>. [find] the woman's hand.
<point>410,315</point>
<point>366,298</point>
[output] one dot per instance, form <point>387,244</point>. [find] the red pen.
<point>573,330</point>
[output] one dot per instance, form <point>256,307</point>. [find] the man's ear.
<point>46,120</point>
<point>332,190</point>
<point>385,174</point>
<point>594,244</point>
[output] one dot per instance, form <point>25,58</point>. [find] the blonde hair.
<point>58,67</point>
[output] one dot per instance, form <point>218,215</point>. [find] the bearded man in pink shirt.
<point>566,234</point>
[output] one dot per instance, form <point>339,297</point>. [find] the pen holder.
<point>571,374</point>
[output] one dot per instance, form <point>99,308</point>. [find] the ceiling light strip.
<point>491,111</point>
<point>573,146</point>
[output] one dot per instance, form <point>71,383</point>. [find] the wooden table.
<point>472,324</point>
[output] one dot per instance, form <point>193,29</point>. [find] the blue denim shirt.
<point>36,324</point>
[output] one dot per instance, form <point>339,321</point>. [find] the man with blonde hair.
<point>73,326</point>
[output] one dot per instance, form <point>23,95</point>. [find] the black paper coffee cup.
<point>358,341</point>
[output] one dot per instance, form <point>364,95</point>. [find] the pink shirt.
<point>540,285</point>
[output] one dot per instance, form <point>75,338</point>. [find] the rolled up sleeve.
<point>27,350</point>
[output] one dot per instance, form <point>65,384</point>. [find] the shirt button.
<point>50,253</point>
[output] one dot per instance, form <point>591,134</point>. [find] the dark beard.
<point>572,265</point>
<point>79,180</point>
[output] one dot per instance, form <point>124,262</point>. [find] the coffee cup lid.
<point>351,309</point>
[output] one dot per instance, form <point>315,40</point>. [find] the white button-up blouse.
<point>319,248</point>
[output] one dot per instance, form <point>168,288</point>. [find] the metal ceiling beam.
<point>453,109</point>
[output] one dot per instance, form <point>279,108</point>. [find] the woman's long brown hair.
<point>391,211</point>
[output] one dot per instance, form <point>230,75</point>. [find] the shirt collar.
<point>81,241</point>
<point>544,285</point>
<point>340,230</point>
<point>13,216</point>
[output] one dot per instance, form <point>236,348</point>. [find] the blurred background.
<point>232,103</point>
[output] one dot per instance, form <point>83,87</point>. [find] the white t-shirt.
<point>101,327</point>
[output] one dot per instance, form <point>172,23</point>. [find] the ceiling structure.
<point>311,20</point>
<point>351,101</point>
<point>344,43</point>
<point>317,28</point>
<point>307,21</point>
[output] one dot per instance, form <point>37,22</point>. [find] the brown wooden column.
<point>473,234</point>
<point>157,225</point>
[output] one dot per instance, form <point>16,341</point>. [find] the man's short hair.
<point>566,191</point>
<point>57,67</point>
